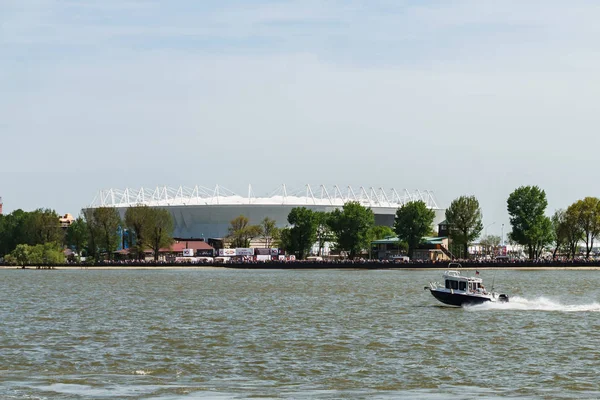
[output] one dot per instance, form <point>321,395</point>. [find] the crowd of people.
<point>337,263</point>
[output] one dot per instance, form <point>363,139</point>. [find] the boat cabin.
<point>455,281</point>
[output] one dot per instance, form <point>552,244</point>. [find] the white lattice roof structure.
<point>320,196</point>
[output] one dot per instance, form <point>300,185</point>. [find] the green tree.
<point>93,232</point>
<point>587,212</point>
<point>21,254</point>
<point>241,232</point>
<point>413,221</point>
<point>138,220</point>
<point>381,232</point>
<point>547,238</point>
<point>351,227</point>
<point>530,227</point>
<point>559,231</point>
<point>77,235</point>
<point>46,254</point>
<point>303,233</point>
<point>160,230</point>
<point>490,243</point>
<point>43,226</point>
<point>106,221</point>
<point>269,231</point>
<point>323,231</point>
<point>52,253</point>
<point>572,230</point>
<point>13,231</point>
<point>464,220</point>
<point>237,231</point>
<point>284,242</point>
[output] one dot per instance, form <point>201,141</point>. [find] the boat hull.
<point>458,300</point>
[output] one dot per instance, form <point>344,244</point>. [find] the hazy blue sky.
<point>459,97</point>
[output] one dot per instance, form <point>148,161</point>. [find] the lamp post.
<point>502,237</point>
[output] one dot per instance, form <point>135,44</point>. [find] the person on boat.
<point>480,289</point>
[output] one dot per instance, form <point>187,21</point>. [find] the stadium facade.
<point>200,212</point>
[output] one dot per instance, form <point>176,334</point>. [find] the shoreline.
<point>353,267</point>
<point>105,267</point>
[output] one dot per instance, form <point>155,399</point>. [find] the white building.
<point>200,212</point>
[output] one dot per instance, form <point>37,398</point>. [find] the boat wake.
<point>539,304</point>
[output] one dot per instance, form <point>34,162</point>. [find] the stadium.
<point>201,212</point>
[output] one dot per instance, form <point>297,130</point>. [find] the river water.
<point>328,334</point>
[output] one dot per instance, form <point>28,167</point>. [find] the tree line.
<point>241,233</point>
<point>352,228</point>
<point>36,237</point>
<point>531,228</point>
<point>349,229</point>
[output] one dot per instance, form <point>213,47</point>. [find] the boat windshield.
<point>456,285</point>
<point>465,285</point>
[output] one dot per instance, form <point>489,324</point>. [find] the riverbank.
<point>311,267</point>
<point>119,267</point>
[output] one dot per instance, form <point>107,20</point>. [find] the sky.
<point>465,97</point>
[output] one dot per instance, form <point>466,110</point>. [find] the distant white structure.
<point>66,221</point>
<point>203,212</point>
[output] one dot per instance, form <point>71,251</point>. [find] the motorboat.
<point>459,290</point>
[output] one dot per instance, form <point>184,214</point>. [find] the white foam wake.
<point>539,304</point>
<point>141,372</point>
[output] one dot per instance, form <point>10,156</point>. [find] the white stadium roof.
<point>321,196</point>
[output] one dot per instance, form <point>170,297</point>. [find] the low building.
<point>180,248</point>
<point>66,221</point>
<point>191,248</point>
<point>432,248</point>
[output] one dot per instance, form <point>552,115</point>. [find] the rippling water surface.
<point>228,334</point>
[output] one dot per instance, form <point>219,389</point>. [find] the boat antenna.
<point>493,280</point>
